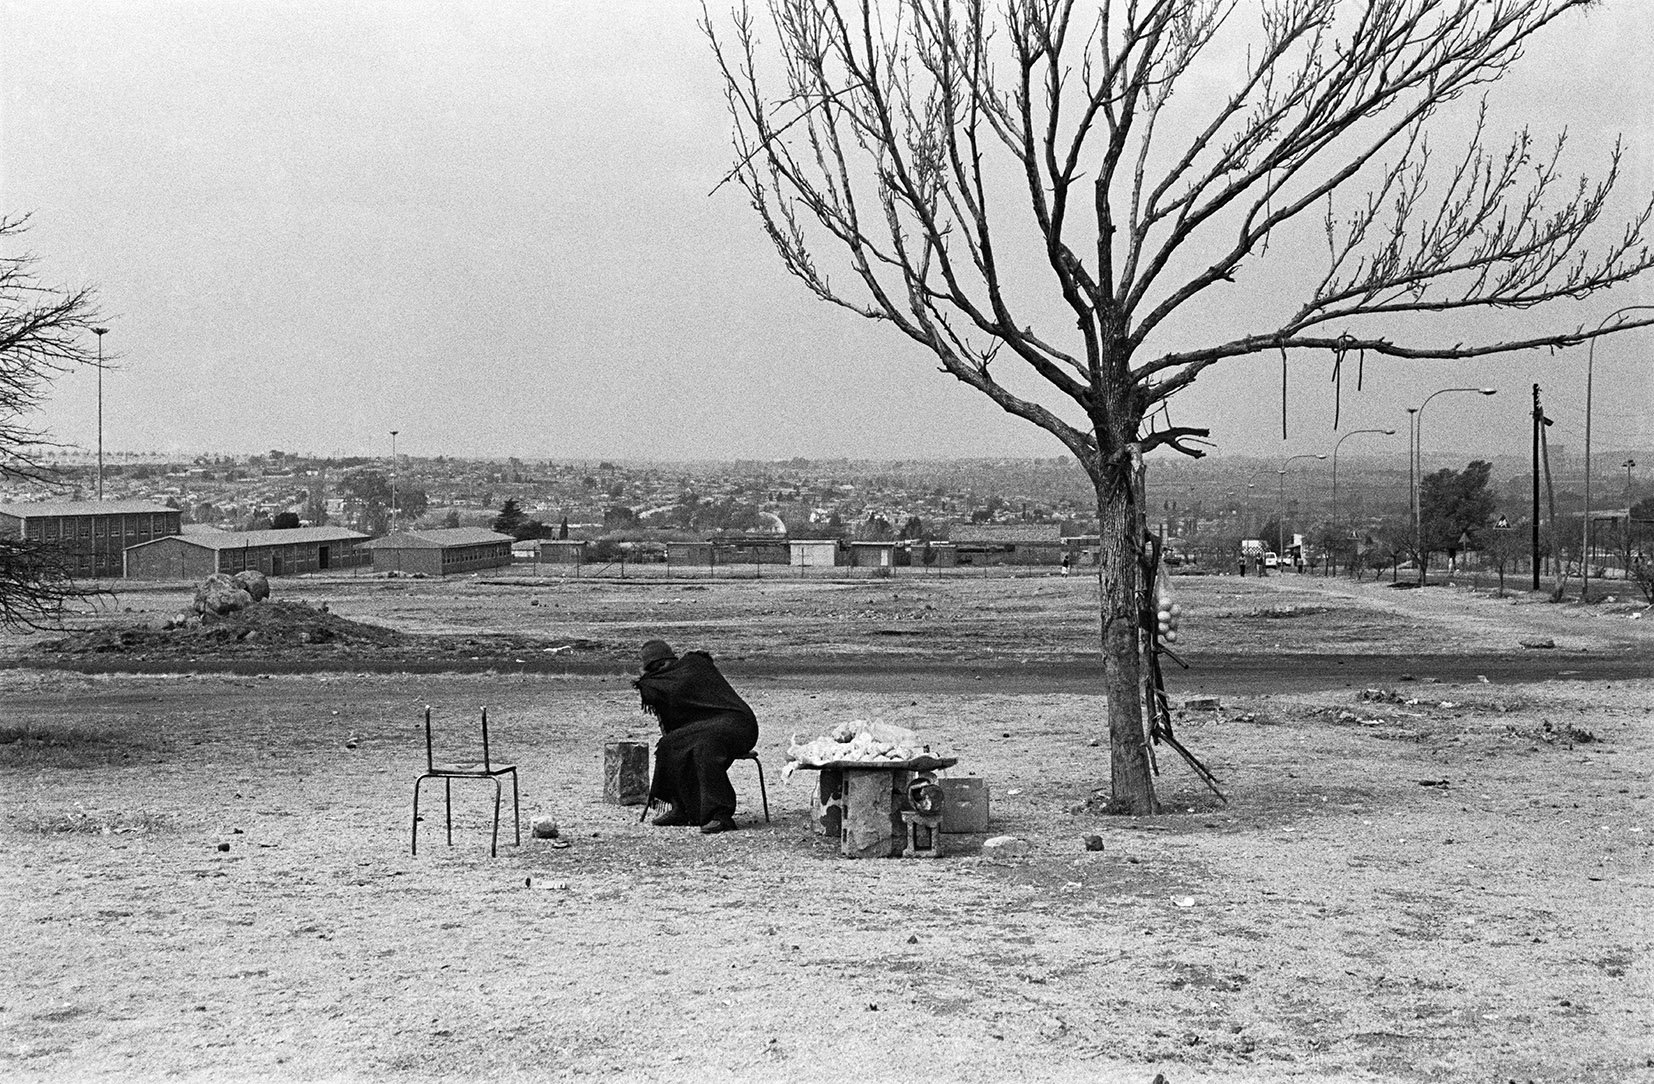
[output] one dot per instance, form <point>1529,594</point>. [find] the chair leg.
<point>448,805</point>
<point>494,840</point>
<point>763,791</point>
<point>516,816</point>
<point>417,782</point>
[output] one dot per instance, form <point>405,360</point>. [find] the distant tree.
<point>411,503</point>
<point>563,528</point>
<point>367,496</point>
<point>452,518</point>
<point>1504,546</point>
<point>616,517</point>
<point>510,519</point>
<point>1390,544</point>
<point>285,521</point>
<point>260,521</point>
<point>315,500</point>
<point>1454,505</point>
<point>1270,534</point>
<point>875,528</point>
<point>913,529</point>
<point>531,528</point>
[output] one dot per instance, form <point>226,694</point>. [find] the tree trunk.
<point>1121,536</point>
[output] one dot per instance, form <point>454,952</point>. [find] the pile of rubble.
<point>220,595</point>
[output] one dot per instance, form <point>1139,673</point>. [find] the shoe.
<point>718,824</point>
<point>671,819</point>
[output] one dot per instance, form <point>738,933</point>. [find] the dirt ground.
<point>210,875</point>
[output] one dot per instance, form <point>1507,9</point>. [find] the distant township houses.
<point>142,540</point>
<point>147,531</point>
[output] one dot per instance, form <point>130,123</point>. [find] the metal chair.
<point>487,769</point>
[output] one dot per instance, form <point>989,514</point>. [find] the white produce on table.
<point>859,741</point>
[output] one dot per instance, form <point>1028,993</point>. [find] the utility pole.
<point>1533,542</point>
<point>100,332</point>
<point>393,478</point>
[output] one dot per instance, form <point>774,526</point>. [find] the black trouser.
<point>692,765</point>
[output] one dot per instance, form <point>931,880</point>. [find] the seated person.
<point>704,725</point>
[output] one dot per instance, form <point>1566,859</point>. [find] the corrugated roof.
<point>235,540</point>
<point>438,538</point>
<point>82,508</point>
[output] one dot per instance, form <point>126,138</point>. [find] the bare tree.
<point>42,335</point>
<point>1039,193</point>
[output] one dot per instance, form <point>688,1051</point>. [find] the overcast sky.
<point>487,225</point>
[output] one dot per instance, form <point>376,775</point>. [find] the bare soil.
<point>1426,879</point>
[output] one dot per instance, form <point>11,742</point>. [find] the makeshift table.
<point>862,802</point>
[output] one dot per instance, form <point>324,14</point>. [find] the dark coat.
<point>704,726</point>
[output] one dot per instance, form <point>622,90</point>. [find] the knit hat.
<point>655,651</point>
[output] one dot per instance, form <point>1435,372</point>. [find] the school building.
<point>440,551</point>
<point>286,552</point>
<point>93,535</point>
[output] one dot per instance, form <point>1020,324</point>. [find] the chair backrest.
<point>430,755</point>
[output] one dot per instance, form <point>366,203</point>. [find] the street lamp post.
<point>393,479</point>
<point>1280,524</point>
<point>1418,455</point>
<point>1335,447</point>
<point>1585,541</point>
<point>100,332</point>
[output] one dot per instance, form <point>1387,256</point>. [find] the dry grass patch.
<point>86,822</point>
<point>70,744</point>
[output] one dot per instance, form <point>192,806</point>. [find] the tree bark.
<point>1120,546</point>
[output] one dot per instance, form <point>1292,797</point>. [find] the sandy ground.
<point>1449,882</point>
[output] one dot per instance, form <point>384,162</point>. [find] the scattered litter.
<point>1184,901</point>
<point>1539,645</point>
